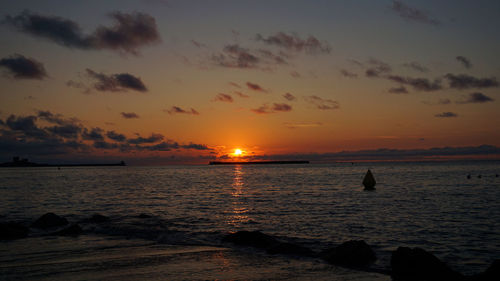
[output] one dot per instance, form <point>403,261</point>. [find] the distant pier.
<point>257,162</point>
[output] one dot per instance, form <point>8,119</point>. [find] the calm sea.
<point>430,205</point>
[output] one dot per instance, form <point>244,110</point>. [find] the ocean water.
<point>431,205</point>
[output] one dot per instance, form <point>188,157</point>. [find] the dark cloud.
<point>464,61</point>
<point>348,74</point>
<point>294,43</point>
<point>240,94</point>
<point>69,131</point>
<point>112,135</point>
<point>464,81</point>
<point>398,90</point>
<point>94,134</point>
<point>105,145</point>
<point>282,107</point>
<point>196,146</point>
<point>323,104</point>
<point>446,115</point>
<point>413,14</point>
<point>289,97</point>
<point>20,67</point>
<point>377,68</point>
<point>116,82</point>
<point>176,110</point>
<point>439,102</point>
<point>419,84</point>
<point>234,85</point>
<point>236,56</point>
<point>416,66</point>
<point>277,59</point>
<point>129,115</point>
<point>151,139</point>
<point>127,34</point>
<point>56,118</point>
<point>255,87</point>
<point>198,44</point>
<point>223,98</point>
<point>25,125</point>
<point>477,98</point>
<point>275,108</point>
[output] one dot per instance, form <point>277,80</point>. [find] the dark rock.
<point>418,264</point>
<point>351,253</point>
<point>73,230</point>
<point>369,181</point>
<point>49,220</point>
<point>290,249</point>
<point>97,218</point>
<point>491,274</point>
<point>12,230</point>
<point>251,238</point>
<point>144,216</point>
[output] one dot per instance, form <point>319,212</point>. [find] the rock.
<point>369,181</point>
<point>96,218</point>
<point>290,249</point>
<point>12,230</point>
<point>351,253</point>
<point>49,220</point>
<point>251,238</point>
<point>491,274</point>
<point>418,264</point>
<point>73,230</point>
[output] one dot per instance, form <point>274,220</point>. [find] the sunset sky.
<point>191,81</point>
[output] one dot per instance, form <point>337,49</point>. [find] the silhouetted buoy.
<point>479,176</point>
<point>496,175</point>
<point>369,181</point>
<point>468,176</point>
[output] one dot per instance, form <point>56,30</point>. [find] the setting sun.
<point>237,152</point>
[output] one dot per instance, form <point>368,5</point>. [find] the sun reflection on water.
<point>239,211</point>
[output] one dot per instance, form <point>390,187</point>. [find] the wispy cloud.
<point>348,74</point>
<point>416,66</point>
<point>295,125</point>
<point>274,108</point>
<point>446,115</point>
<point>20,67</point>
<point>476,98</point>
<point>293,42</point>
<point>128,33</point>
<point>464,81</point>
<point>289,97</point>
<point>178,110</point>
<point>255,87</point>
<point>129,115</point>
<point>223,98</point>
<point>322,104</point>
<point>464,61</point>
<point>413,14</point>
<point>116,82</point>
<point>419,84</point>
<point>398,90</point>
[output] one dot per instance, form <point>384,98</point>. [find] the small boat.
<point>369,181</point>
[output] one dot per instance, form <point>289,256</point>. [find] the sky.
<point>152,81</point>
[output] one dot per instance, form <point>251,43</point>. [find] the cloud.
<point>176,110</point>
<point>20,67</point>
<point>196,146</point>
<point>275,108</point>
<point>295,74</point>
<point>237,57</point>
<point>464,81</point>
<point>112,135</point>
<point>295,125</point>
<point>255,87</point>
<point>419,84</point>
<point>464,61</point>
<point>446,115</point>
<point>129,115</point>
<point>234,85</point>
<point>398,90</point>
<point>416,66</point>
<point>293,42</point>
<point>198,44</point>
<point>223,98</point>
<point>56,118</point>
<point>240,94</point>
<point>128,33</point>
<point>439,102</point>
<point>116,82</point>
<point>151,139</point>
<point>289,97</point>
<point>413,14</point>
<point>348,74</point>
<point>94,134</point>
<point>477,98</point>
<point>323,104</point>
<point>377,68</point>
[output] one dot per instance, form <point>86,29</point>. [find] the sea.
<point>167,222</point>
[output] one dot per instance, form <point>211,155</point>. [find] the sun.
<point>237,152</point>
